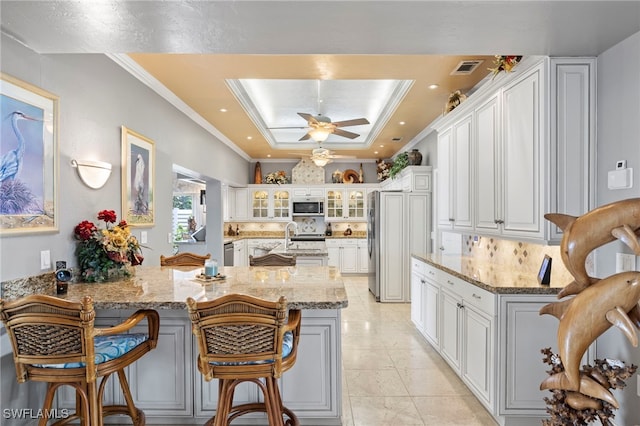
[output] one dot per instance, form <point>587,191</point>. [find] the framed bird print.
<point>138,177</point>
<point>28,158</point>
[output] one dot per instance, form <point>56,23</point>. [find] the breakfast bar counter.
<point>166,383</point>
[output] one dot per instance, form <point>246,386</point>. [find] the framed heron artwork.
<point>28,158</point>
<point>138,177</point>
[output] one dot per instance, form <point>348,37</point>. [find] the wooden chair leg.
<point>48,402</point>
<point>124,384</point>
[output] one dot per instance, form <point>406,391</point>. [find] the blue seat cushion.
<point>107,348</point>
<point>287,346</point>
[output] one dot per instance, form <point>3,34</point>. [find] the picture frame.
<point>30,155</point>
<point>138,179</point>
<point>544,274</point>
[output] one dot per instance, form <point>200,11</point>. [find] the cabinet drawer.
<point>432,273</point>
<point>471,294</point>
<point>418,266</point>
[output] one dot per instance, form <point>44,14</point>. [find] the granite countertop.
<point>155,287</point>
<point>306,249</point>
<point>496,278</point>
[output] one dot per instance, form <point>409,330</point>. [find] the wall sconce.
<point>94,174</point>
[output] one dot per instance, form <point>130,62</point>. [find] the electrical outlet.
<point>169,237</point>
<point>45,259</point>
<point>143,237</point>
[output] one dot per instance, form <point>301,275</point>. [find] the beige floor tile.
<point>384,411</point>
<point>432,382</point>
<point>447,410</point>
<point>375,383</point>
<point>367,359</point>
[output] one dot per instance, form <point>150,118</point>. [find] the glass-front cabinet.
<point>267,203</point>
<point>345,204</point>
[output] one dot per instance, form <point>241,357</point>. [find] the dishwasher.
<point>228,254</point>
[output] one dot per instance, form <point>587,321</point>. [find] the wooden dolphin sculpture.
<point>585,317</point>
<point>596,228</point>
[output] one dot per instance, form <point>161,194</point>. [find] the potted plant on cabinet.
<point>400,162</point>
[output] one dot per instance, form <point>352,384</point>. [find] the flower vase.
<point>102,275</point>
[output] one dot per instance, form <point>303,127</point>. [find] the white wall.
<point>618,138</point>
<point>96,98</point>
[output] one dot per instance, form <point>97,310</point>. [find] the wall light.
<point>94,174</point>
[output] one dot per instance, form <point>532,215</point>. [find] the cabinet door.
<point>363,257</point>
<point>487,163</point>
<point>445,215</point>
<point>417,298</point>
<point>240,209</point>
<point>430,303</point>
<point>334,206</point>
<point>349,258</point>
<point>450,320</point>
<point>333,249</point>
<point>161,381</point>
<point>280,205</point>
<point>477,341</point>
<point>461,172</point>
<point>259,204</point>
<point>521,149</point>
<point>356,208</point>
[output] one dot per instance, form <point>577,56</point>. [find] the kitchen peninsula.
<point>166,384</point>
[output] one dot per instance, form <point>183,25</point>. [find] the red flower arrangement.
<point>504,63</point>
<point>106,253</point>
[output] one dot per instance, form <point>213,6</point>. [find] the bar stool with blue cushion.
<point>55,341</point>
<point>242,338</point>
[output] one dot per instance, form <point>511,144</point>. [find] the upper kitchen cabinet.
<point>454,162</point>
<point>268,203</point>
<point>530,151</point>
<point>235,203</point>
<point>346,204</point>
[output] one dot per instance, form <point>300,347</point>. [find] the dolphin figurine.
<point>583,234</point>
<point>583,318</point>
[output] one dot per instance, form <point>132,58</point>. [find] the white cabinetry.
<point>411,178</point>
<point>346,204</point>
<point>237,202</point>
<point>529,138</point>
<point>269,203</point>
<point>348,254</point>
<point>240,257</point>
<point>307,192</point>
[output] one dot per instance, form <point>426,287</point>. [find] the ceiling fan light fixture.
<point>321,162</point>
<point>319,134</point>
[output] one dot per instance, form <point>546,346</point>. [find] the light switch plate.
<point>143,237</point>
<point>45,259</point>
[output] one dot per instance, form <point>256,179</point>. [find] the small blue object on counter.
<point>211,268</point>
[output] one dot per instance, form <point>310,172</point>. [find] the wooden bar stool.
<point>272,259</point>
<point>55,341</point>
<point>242,338</point>
<point>184,259</point>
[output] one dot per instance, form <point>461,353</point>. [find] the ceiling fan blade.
<point>345,134</point>
<point>342,156</point>
<point>279,128</point>
<point>310,118</point>
<point>305,137</point>
<point>354,122</point>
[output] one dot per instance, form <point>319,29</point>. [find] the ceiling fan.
<point>321,127</point>
<point>322,156</point>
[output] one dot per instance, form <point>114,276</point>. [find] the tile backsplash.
<point>517,255</point>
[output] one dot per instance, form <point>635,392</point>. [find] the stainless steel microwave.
<point>308,207</point>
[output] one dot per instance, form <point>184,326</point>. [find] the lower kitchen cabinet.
<point>491,340</point>
<point>348,254</point>
<point>240,256</point>
<point>167,386</point>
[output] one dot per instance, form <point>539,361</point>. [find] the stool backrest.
<point>184,259</point>
<point>238,336</point>
<point>48,330</point>
<point>273,259</point>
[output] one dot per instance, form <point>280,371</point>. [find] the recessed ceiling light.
<point>381,146</point>
<point>249,137</point>
<point>223,110</point>
<point>401,123</point>
<point>268,155</point>
<point>433,86</point>
<point>375,152</point>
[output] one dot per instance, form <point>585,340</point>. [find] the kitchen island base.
<point>168,387</point>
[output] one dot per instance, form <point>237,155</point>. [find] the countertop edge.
<point>542,289</point>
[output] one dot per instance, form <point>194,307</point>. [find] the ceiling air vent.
<point>396,139</point>
<point>466,67</point>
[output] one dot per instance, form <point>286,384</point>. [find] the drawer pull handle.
<point>476,296</point>
<point>460,305</point>
<point>431,273</point>
<point>450,282</point>
<point>423,281</point>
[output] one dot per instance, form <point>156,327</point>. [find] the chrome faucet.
<point>286,233</point>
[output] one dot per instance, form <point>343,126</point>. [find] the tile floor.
<point>391,375</point>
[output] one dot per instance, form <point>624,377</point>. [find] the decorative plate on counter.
<point>307,172</point>
<point>207,279</point>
